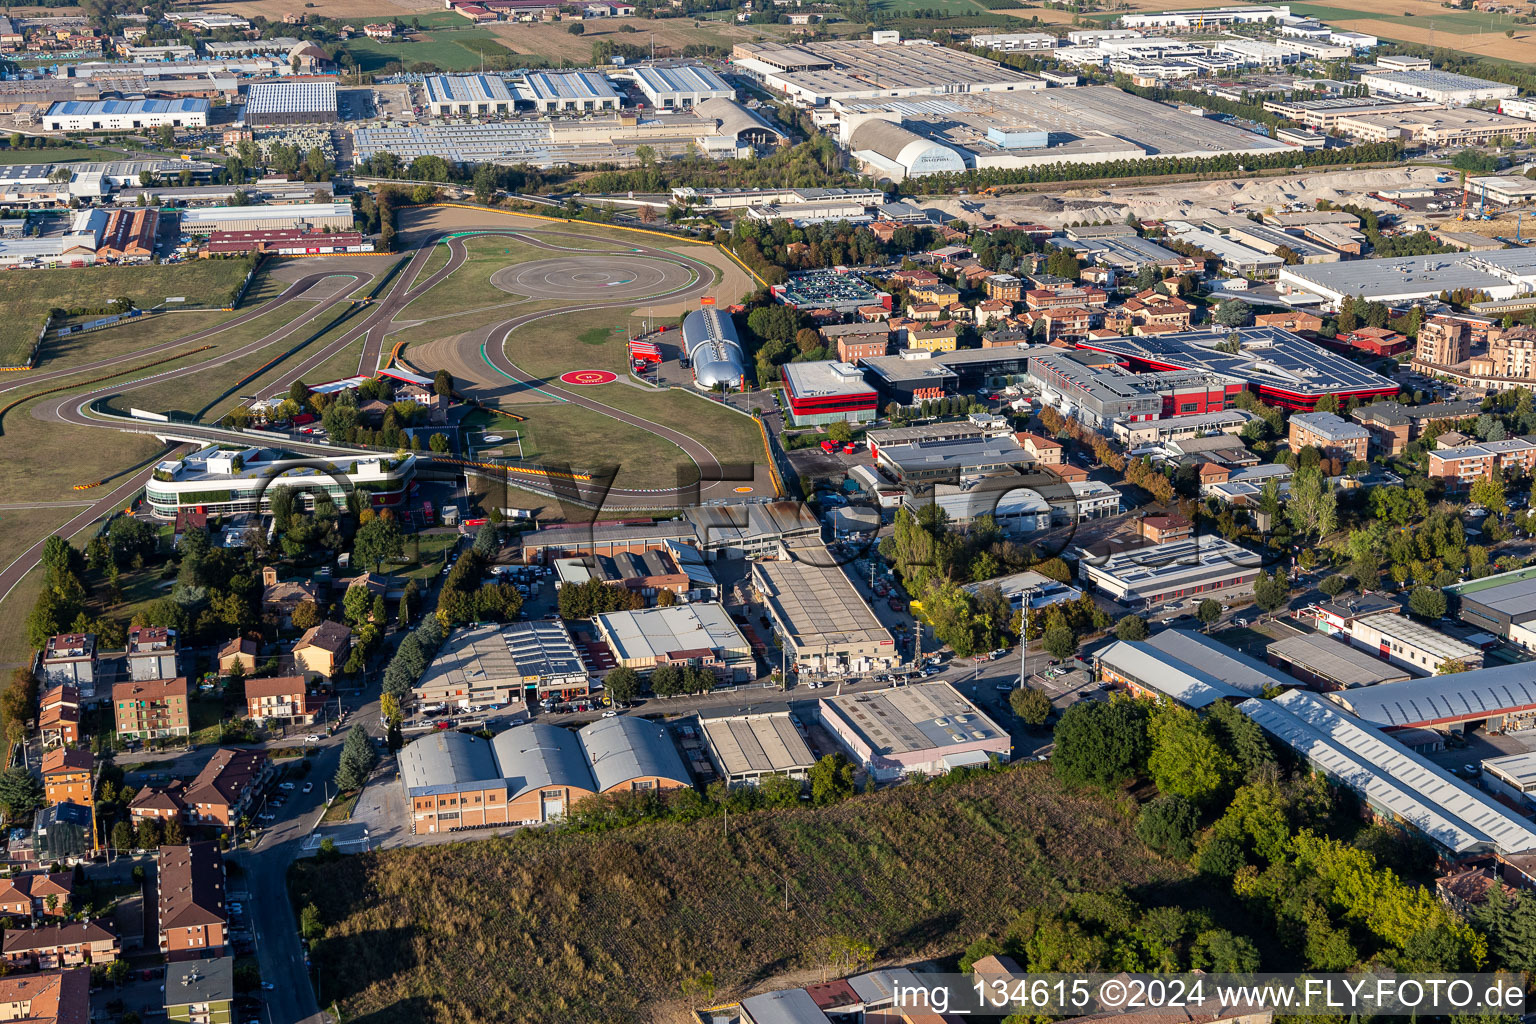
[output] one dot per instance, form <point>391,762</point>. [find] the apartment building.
<point>151,653</point>
<point>1443,341</point>
<point>284,697</point>
<point>227,787</point>
<point>70,658</point>
<point>1005,287</point>
<point>56,946</point>
<point>323,649</point>
<point>151,709</point>
<point>1511,353</point>
<point>58,716</point>
<point>1458,467</point>
<point>193,918</point>
<point>69,777</point>
<point>1334,436</point>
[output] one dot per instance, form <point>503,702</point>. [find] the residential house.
<point>36,894</point>
<point>157,803</point>
<point>70,658</point>
<point>286,697</point>
<point>924,312</point>
<point>1290,320</point>
<point>1162,528</point>
<point>151,709</point>
<point>1045,451</point>
<point>938,293</point>
<point>1152,308</point>
<point>992,311</point>
<point>151,653</point>
<point>58,716</point>
<point>52,946</point>
<point>1067,322</point>
<point>240,651</point>
<point>322,649</point>
<point>227,787</point>
<point>193,918</point>
<point>280,597</point>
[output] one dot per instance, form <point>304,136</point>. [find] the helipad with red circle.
<point>588,377</point>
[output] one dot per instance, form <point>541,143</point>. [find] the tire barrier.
<point>4,410</point>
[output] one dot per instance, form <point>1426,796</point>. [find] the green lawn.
<point>207,719</point>
<point>27,295</point>
<point>426,553</point>
<point>564,434</point>
<point>451,49</point>
<point>436,260</point>
<point>61,353</point>
<point>61,155</point>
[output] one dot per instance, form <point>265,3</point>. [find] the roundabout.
<point>598,276</point>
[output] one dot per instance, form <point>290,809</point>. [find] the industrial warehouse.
<point>746,748</point>
<point>1504,274</point>
<point>1500,699</point>
<point>1393,781</point>
<point>815,73</point>
<point>923,729</point>
<point>904,138</point>
<point>716,127</point>
<point>279,103</point>
<point>532,774</point>
<point>117,115</point>
<point>825,625</point>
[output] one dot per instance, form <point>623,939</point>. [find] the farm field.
<point>366,9</point>
<point>451,49</point>
<point>27,295</point>
<point>555,43</point>
<point>504,929</point>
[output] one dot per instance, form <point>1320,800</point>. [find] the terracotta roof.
<point>50,997</point>
<point>285,591</point>
<point>61,694</point>
<point>240,645</point>
<point>277,686</point>
<point>150,689</point>
<point>191,886</point>
<point>57,715</point>
<point>36,886</point>
<point>61,760</point>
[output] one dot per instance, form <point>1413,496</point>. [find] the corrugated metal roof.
<point>1479,693</point>
<point>625,748</point>
<point>1390,776</point>
<point>537,755</point>
<point>446,762</point>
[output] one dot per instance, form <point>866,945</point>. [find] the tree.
<point>622,685</point>
<point>442,384</point>
<point>377,541</point>
<point>357,603</point>
<point>1167,824</point>
<point>1132,627</point>
<point>1451,667</point>
<point>306,615</point>
<point>357,759</point>
<point>487,540</point>
<point>1208,611</point>
<point>576,28</point>
<point>20,793</point>
<point>311,924</point>
<point>1101,744</point>
<point>1427,602</point>
<point>174,834</point>
<point>1232,313</point>
<point>831,779</point>
<point>150,834</point>
<point>1031,705</point>
<point>1313,505</point>
<point>1488,492</point>
<point>1186,759</point>
<point>122,836</point>
<point>438,442</point>
<point>1270,592</point>
<point>1060,642</point>
<point>1333,585</point>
